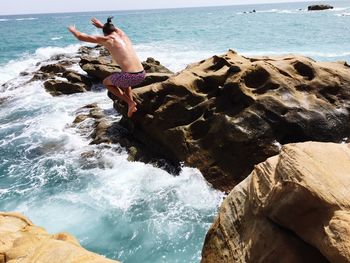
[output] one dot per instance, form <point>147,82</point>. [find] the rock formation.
<point>295,207</point>
<point>105,130</point>
<point>21,241</point>
<point>319,7</point>
<point>59,77</point>
<point>225,114</point>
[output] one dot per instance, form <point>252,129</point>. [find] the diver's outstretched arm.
<point>97,23</point>
<point>85,37</point>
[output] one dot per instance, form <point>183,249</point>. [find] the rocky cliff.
<point>225,114</point>
<point>295,207</point>
<point>21,241</point>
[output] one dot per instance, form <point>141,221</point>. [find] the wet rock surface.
<point>104,129</point>
<point>60,77</point>
<point>228,113</point>
<point>295,207</point>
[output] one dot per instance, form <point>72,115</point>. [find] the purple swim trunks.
<point>127,79</point>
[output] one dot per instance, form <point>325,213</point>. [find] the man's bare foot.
<point>131,109</point>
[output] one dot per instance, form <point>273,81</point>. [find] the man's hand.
<point>97,23</point>
<point>72,29</point>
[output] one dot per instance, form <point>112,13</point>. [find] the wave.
<point>26,18</point>
<point>336,9</point>
<point>56,38</point>
<point>275,11</point>
<point>176,60</point>
<point>13,68</point>
<point>343,14</point>
<point>19,19</point>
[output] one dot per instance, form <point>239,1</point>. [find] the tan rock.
<point>228,113</point>
<point>23,242</point>
<point>295,207</point>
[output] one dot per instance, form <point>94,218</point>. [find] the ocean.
<point>130,211</point>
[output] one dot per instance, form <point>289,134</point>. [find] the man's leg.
<point>122,95</point>
<point>129,94</point>
<point>132,107</point>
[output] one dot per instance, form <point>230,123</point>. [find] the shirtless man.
<point>123,53</point>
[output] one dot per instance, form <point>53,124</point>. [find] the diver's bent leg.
<point>122,95</point>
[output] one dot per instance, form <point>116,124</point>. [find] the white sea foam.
<point>12,69</point>
<point>174,57</point>
<point>336,9</point>
<point>282,11</point>
<point>343,14</point>
<point>4,19</point>
<point>268,11</point>
<point>26,18</point>
<point>56,38</point>
<point>274,11</point>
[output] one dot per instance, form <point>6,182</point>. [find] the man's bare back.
<point>123,53</point>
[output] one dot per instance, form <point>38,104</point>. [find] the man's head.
<point>108,28</point>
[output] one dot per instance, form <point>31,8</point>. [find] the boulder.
<point>53,68</point>
<point>153,66</point>
<point>59,87</point>
<point>21,241</point>
<point>294,207</point>
<point>319,7</point>
<point>59,78</point>
<point>41,76</point>
<point>225,114</point>
<point>75,77</point>
<point>3,100</point>
<point>74,83</point>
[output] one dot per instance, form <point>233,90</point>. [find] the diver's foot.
<point>131,109</point>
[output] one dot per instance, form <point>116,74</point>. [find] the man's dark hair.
<point>108,28</point>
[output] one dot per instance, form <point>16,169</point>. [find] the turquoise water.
<point>130,211</point>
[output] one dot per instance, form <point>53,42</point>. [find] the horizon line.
<point>150,9</point>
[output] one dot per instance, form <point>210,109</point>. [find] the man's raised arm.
<point>85,37</point>
<point>97,23</point>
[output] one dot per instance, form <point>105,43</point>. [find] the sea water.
<point>125,210</point>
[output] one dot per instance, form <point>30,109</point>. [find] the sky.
<point>8,7</point>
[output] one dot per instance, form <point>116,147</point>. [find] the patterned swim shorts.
<point>127,79</point>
